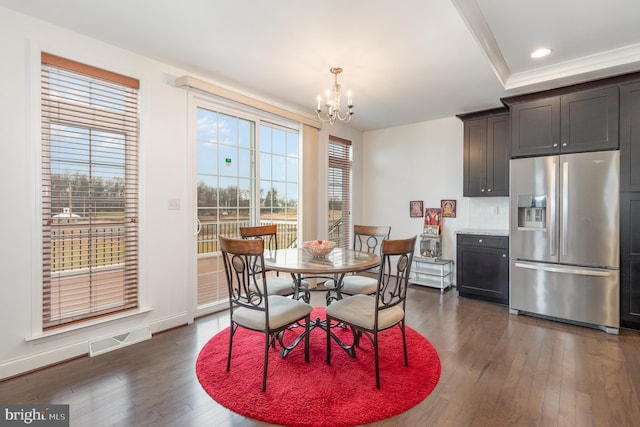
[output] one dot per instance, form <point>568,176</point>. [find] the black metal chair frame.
<point>246,279</point>
<point>366,238</point>
<point>393,281</point>
<point>268,233</point>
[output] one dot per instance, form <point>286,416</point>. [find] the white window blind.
<point>89,192</point>
<point>340,158</point>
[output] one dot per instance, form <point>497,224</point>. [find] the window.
<point>89,192</point>
<point>279,181</point>
<point>339,185</point>
<point>247,174</point>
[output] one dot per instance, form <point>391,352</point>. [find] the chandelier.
<point>332,103</point>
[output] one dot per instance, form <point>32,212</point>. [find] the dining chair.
<point>368,315</point>
<point>276,285</point>
<point>250,305</point>
<point>366,238</point>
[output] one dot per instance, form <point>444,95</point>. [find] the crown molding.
<point>601,65</point>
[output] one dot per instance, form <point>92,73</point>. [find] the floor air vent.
<point>118,341</point>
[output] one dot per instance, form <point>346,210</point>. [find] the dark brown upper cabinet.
<point>486,153</point>
<point>569,123</point>
<point>630,137</point>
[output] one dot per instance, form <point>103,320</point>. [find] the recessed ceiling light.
<point>539,53</point>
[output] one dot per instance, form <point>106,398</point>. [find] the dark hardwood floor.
<point>497,370</point>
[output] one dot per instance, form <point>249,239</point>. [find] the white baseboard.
<point>34,361</point>
<point>22,365</point>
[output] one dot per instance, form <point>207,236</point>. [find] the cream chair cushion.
<point>282,311</point>
<point>359,310</point>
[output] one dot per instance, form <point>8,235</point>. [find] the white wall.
<point>166,237</point>
<point>391,167</point>
<point>422,161</point>
<point>164,234</point>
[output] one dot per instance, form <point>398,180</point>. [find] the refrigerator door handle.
<point>552,207</point>
<point>566,270</point>
<point>565,209</point>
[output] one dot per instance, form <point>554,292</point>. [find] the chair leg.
<point>232,331</point>
<point>266,362</point>
<point>375,353</point>
<point>356,337</point>
<point>328,362</point>
<point>404,344</point>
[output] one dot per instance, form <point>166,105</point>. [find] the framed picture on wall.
<point>415,209</point>
<point>448,208</point>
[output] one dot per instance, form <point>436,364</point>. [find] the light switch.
<point>174,204</point>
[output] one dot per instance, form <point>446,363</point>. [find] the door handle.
<point>580,271</point>
<point>565,209</point>
<point>552,208</point>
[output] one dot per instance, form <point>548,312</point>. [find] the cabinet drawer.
<point>500,242</point>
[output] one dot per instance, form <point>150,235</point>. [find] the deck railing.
<point>77,247</point>
<point>208,237</point>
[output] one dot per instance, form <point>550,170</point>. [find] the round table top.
<point>339,260</point>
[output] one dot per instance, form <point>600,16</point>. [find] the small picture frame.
<point>448,208</point>
<point>432,221</point>
<point>415,209</point>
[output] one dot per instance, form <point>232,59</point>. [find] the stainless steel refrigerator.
<point>564,236</point>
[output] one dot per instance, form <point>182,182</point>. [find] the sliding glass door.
<point>246,174</point>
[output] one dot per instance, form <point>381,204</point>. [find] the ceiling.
<point>405,62</point>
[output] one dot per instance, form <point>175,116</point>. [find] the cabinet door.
<point>483,271</point>
<point>498,154</point>
<point>630,260</point>
<point>475,158</point>
<point>535,127</point>
<point>630,137</point>
<point>589,121</point>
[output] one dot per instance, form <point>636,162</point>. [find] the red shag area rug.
<point>316,394</point>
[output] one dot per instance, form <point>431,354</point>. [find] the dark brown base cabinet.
<point>483,267</point>
<point>630,261</point>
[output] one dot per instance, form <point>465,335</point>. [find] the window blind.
<point>339,185</point>
<point>89,192</point>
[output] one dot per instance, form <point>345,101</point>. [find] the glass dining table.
<point>333,266</point>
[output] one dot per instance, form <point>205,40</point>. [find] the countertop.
<point>484,231</point>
